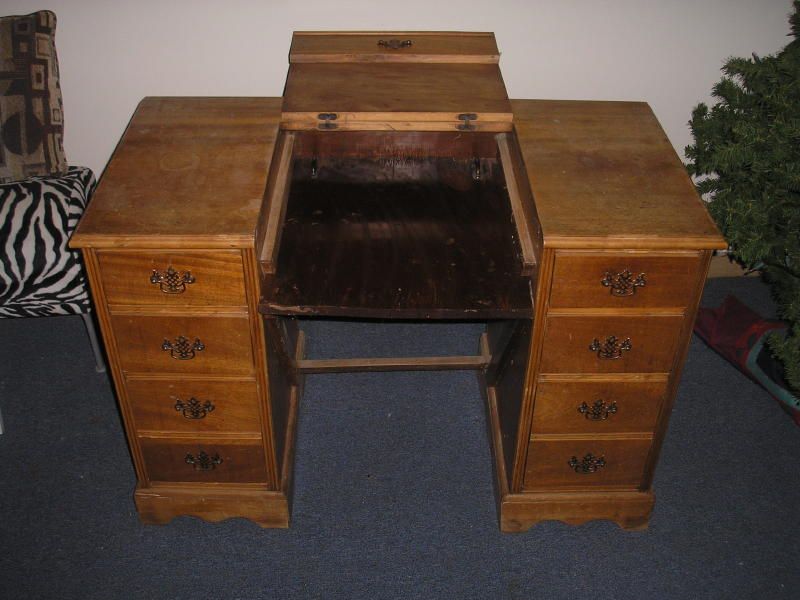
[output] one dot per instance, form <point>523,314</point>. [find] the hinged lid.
<point>395,80</point>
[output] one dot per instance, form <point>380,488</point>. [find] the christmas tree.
<point>746,156</point>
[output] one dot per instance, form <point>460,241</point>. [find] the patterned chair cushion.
<point>39,274</point>
<point>31,113</point>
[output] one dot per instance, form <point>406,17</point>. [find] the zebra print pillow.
<point>39,274</point>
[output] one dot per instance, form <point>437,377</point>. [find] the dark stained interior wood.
<point>280,335</point>
<point>511,341</point>
<point>398,237</point>
<point>394,145</point>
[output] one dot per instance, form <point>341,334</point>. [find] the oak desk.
<point>571,228</point>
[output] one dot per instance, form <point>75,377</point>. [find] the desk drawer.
<point>206,345</point>
<point>591,407</point>
<point>586,463</point>
<point>213,461</point>
<point>600,344</point>
<point>172,278</point>
<point>620,280</point>
<point>186,405</point>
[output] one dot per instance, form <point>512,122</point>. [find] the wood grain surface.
<point>396,92</point>
<point>218,279</point>
<point>636,403</point>
<point>235,405</point>
<point>654,340</point>
<point>242,460</point>
<point>548,463</point>
<point>604,174</point>
<point>226,339</point>
<point>185,168</point>
<point>669,279</point>
<point>363,46</point>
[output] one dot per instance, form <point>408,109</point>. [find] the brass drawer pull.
<point>193,409</point>
<point>395,44</point>
<point>611,349</point>
<point>203,462</point>
<point>589,464</point>
<point>623,283</point>
<point>170,281</point>
<point>182,348</point>
<point>599,411</point>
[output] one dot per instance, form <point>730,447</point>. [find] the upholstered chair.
<point>41,198</point>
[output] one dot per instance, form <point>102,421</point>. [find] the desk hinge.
<point>466,118</point>
<point>326,120</point>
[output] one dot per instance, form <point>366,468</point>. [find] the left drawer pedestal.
<point>186,348</point>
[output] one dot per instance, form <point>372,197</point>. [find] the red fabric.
<point>732,329</point>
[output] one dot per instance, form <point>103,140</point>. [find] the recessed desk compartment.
<point>398,225</point>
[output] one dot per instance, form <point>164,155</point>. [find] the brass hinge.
<point>466,118</point>
<point>327,120</point>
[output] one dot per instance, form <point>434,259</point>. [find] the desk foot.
<point>630,510</point>
<point>159,505</point>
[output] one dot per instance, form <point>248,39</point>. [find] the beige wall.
<point>666,52</point>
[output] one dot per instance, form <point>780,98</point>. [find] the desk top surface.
<point>187,171</point>
<point>194,170</point>
<point>604,174</point>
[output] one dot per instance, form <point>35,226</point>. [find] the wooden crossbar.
<point>409,363</point>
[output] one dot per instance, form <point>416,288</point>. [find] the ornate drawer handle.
<point>599,411</point>
<point>611,349</point>
<point>182,348</point>
<point>395,44</point>
<point>623,283</point>
<point>193,409</point>
<point>589,464</point>
<point>203,462</point>
<point>170,281</point>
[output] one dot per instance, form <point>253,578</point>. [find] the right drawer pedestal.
<point>612,335</point>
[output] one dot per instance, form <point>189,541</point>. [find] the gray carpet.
<point>393,494</point>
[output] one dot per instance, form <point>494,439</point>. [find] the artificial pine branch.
<point>747,155</point>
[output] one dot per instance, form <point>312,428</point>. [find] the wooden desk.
<point>571,228</point>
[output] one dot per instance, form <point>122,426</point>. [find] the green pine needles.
<point>747,154</point>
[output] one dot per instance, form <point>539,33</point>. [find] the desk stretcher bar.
<point>409,363</point>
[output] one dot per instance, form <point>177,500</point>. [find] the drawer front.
<point>589,407</point>
<point>619,280</point>
<point>212,461</point>
<point>165,278</point>
<point>585,464</point>
<point>197,345</point>
<point>599,344</point>
<point>185,405</point>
